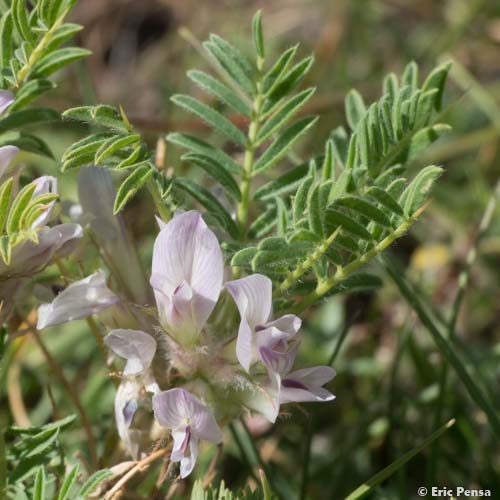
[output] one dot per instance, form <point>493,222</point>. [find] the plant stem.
<point>38,51</point>
<point>73,394</point>
<point>302,268</point>
<point>160,206</point>
<point>342,272</point>
<point>248,162</point>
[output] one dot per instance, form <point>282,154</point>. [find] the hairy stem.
<point>38,51</point>
<point>249,159</point>
<point>342,272</point>
<point>303,267</point>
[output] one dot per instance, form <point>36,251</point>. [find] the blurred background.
<point>388,368</point>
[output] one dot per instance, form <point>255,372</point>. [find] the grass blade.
<point>381,476</point>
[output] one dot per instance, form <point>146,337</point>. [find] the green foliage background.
<point>396,384</point>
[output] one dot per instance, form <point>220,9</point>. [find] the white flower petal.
<point>6,99</point>
<point>7,154</point>
<point>136,346</point>
<point>187,251</point>
<point>79,300</point>
<point>253,297</point>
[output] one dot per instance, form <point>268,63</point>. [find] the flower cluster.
<point>45,241</point>
<point>213,372</point>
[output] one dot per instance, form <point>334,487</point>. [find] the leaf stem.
<point>342,272</point>
<point>249,158</point>
<point>39,49</point>
<point>302,268</point>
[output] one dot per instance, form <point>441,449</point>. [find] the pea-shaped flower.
<point>186,276</point>
<point>190,420</point>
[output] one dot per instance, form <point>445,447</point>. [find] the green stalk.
<point>303,267</point>
<point>342,272</point>
<point>381,476</point>
<point>38,51</point>
<point>249,158</point>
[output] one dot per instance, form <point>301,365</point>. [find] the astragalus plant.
<point>210,332</point>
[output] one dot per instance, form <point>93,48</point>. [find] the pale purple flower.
<point>80,299</point>
<point>6,99</point>
<point>190,420</point>
<point>29,256</point>
<point>253,297</point>
<point>186,275</point>
<point>138,349</point>
<point>44,185</point>
<point>306,385</point>
<point>136,346</point>
<point>7,154</point>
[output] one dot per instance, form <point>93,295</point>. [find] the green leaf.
<point>101,116</point>
<point>314,211</point>
<point>436,80</point>
<point>5,197</point>
<point>26,142</point>
<point>334,218</point>
<point>131,185</point>
<point>274,75</point>
<point>69,483</point>
<point>257,34</point>
<point>218,121</point>
<point>283,115</point>
<point>93,482</point>
<point>40,485</point>
<point>355,108</point>
<point>410,76</point>
<point>365,208</point>
<point>211,203</point>
<point>221,91</point>
<point>264,223</point>
<point>416,192</point>
<point>198,146</point>
<point>63,34</point>
<point>231,63</point>
<point>283,184</point>
<point>424,138</point>
<point>28,117</point>
<point>301,197</point>
<point>388,471</point>
<point>21,201</point>
<point>385,199</point>
<point>31,91</point>
<point>114,144</point>
<point>6,27</point>
<point>282,144</point>
<point>288,82</point>
<point>57,59</point>
<point>243,258</point>
<point>216,171</point>
<point>20,18</point>
<point>5,248</point>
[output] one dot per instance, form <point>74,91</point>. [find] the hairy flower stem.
<point>343,272</point>
<point>249,159</point>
